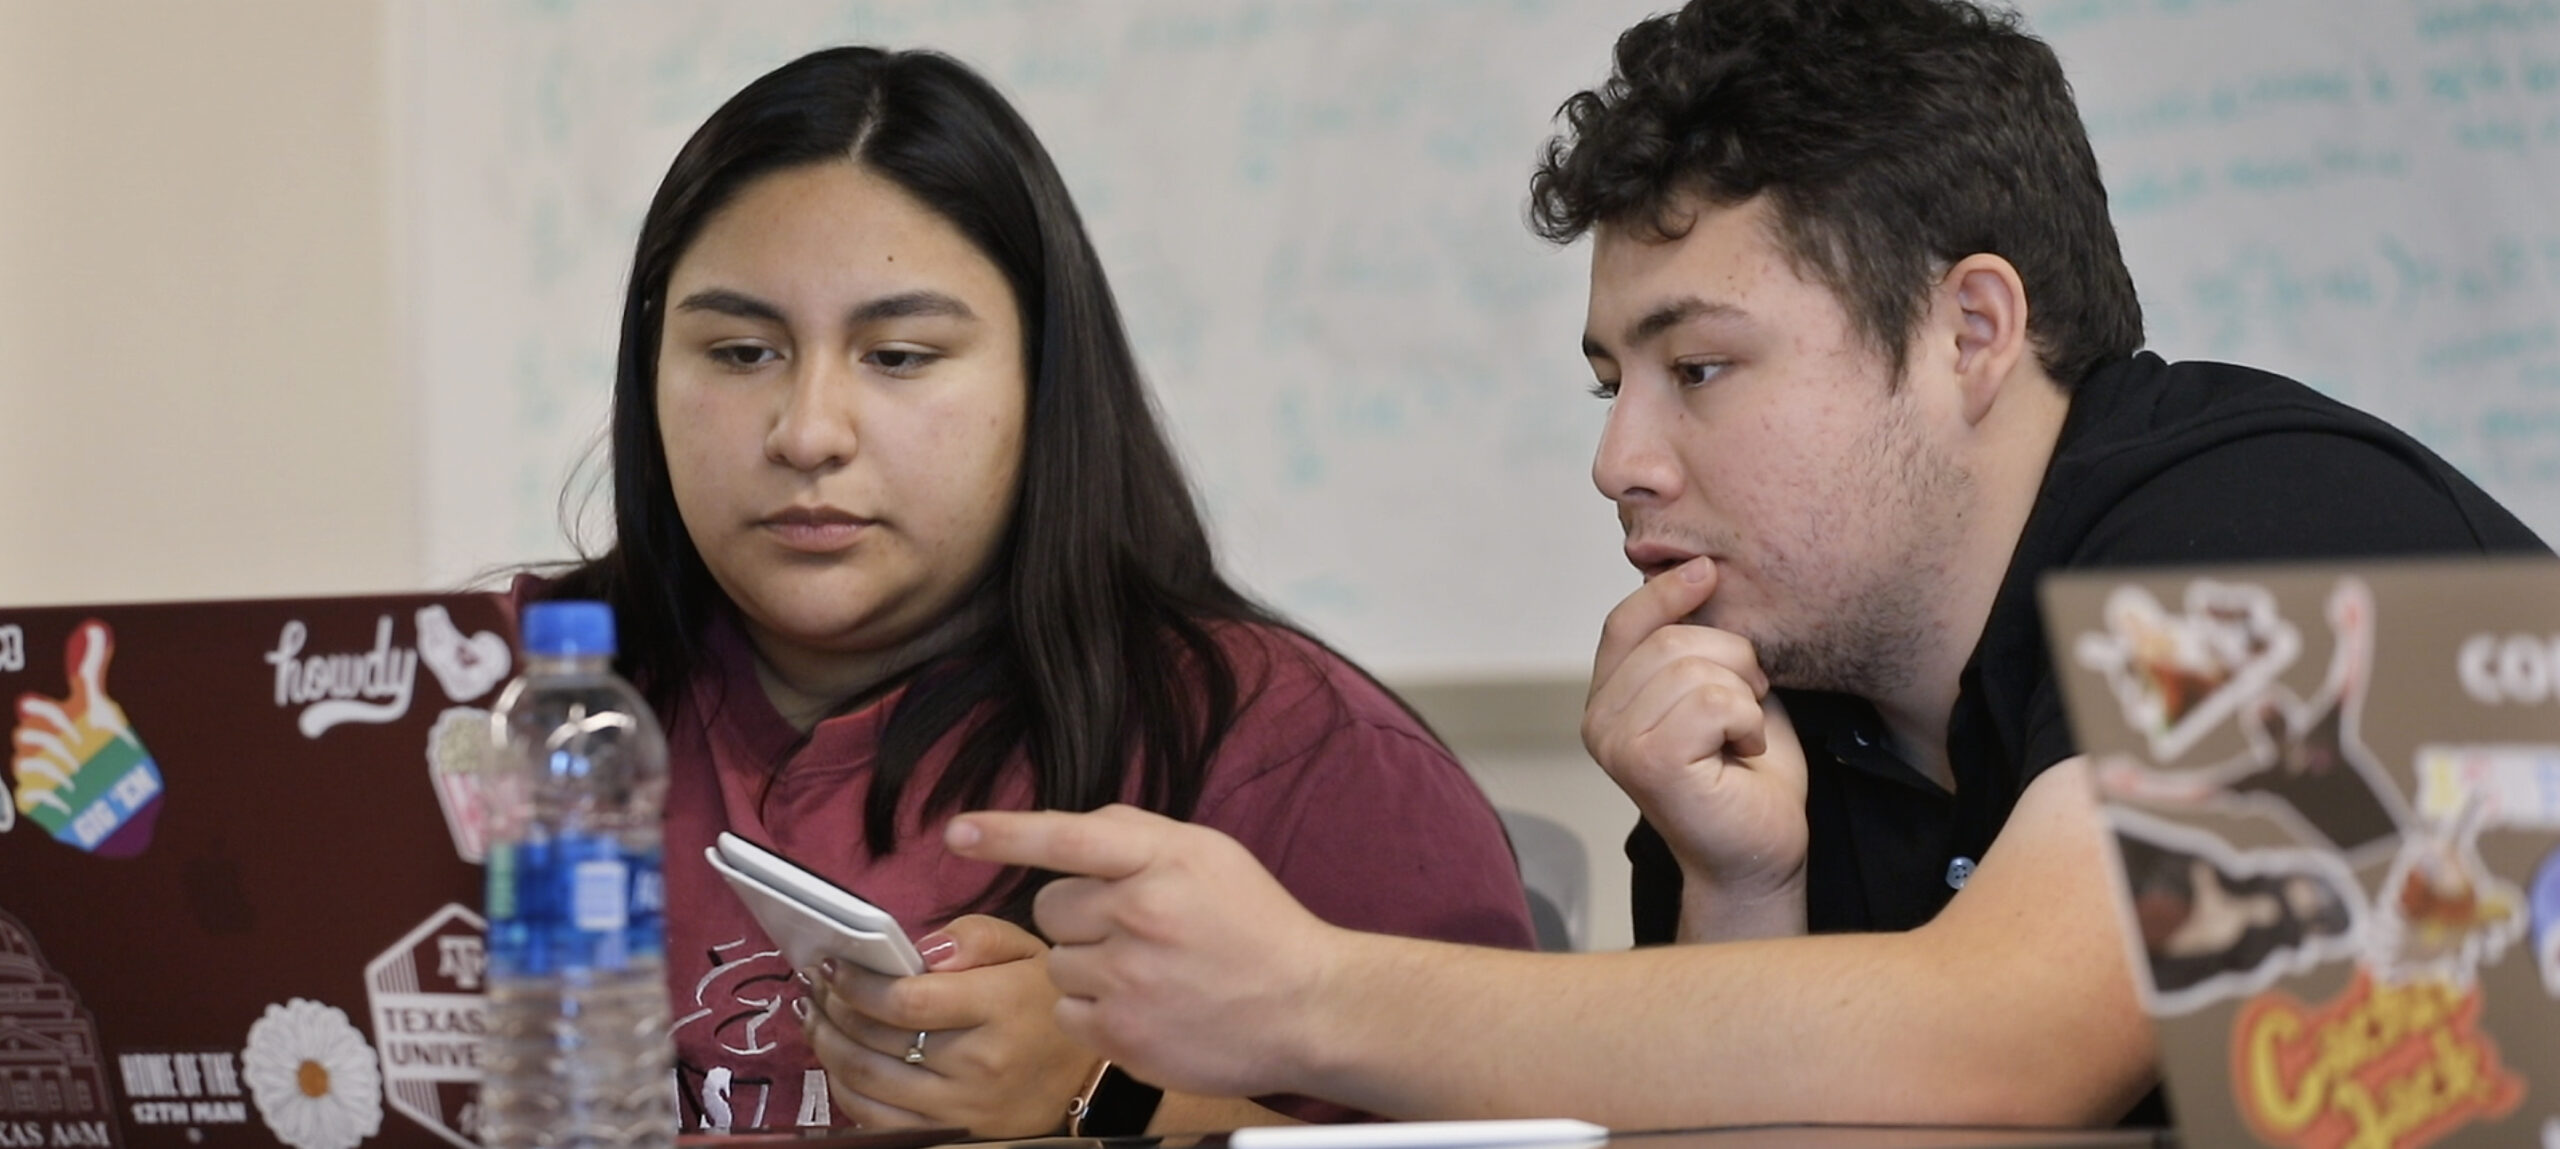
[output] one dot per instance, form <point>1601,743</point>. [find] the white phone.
<point>808,916</point>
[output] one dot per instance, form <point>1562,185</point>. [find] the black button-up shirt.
<point>2158,464</point>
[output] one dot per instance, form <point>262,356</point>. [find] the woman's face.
<point>841,395</point>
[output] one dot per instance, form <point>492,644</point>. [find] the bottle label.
<point>500,904</point>
<point>600,894</point>
<point>577,902</point>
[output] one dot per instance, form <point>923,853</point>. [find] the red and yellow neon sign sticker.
<point>2380,1067</point>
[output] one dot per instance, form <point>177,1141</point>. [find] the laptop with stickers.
<point>239,871</point>
<point>2334,796</point>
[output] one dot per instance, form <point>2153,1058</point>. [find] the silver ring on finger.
<point>915,1049</point>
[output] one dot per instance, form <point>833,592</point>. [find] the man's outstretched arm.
<point>1180,958</point>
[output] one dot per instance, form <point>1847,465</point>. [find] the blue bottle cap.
<point>568,628</point>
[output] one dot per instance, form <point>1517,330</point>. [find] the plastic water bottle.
<point>577,1054</point>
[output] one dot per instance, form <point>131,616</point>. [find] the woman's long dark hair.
<point>1101,659</point>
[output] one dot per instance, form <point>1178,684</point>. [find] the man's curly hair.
<point>1893,138</point>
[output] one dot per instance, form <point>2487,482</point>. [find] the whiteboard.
<point>1312,213</point>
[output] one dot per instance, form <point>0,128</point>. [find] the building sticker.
<point>314,1079</point>
<point>429,1013</point>
<point>76,767</point>
<point>53,1085</point>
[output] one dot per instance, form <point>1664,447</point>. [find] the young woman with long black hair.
<point>898,536</point>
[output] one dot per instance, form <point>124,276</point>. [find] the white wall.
<point>197,394</point>
<point>201,392</point>
<point>1311,213</point>
<point>1521,738</point>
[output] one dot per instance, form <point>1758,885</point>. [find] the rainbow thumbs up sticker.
<point>77,769</point>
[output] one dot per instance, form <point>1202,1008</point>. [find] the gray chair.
<point>1556,868</point>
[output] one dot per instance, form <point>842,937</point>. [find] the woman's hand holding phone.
<point>993,1058</point>
<point>974,1043</point>
<point>810,918</point>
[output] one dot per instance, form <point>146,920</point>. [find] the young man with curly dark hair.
<point>1873,364</point>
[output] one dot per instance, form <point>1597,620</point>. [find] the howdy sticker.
<point>367,686</point>
<point>376,685</point>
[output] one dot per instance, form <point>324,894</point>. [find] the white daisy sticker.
<point>313,1077</point>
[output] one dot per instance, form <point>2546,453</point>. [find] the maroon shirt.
<point>1339,792</point>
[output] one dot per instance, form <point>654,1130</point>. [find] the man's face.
<point>1753,424</point>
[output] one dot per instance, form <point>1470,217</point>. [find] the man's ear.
<point>1988,301</point>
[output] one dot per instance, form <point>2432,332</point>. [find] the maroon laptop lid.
<point>239,873</point>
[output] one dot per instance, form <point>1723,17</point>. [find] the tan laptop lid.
<point>2335,796</point>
